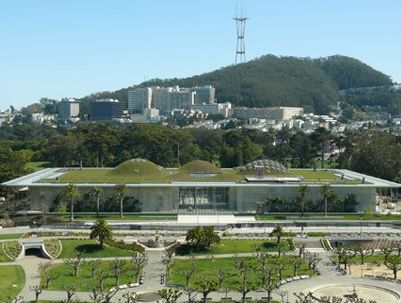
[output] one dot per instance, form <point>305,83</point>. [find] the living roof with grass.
<point>145,171</point>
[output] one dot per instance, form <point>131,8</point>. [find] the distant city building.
<point>166,99</point>
<point>139,99</point>
<point>223,109</point>
<point>270,113</point>
<point>204,94</point>
<point>106,109</point>
<point>150,115</point>
<point>181,98</point>
<point>160,99</point>
<point>67,109</point>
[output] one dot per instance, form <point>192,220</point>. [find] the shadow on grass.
<point>269,245</point>
<point>187,249</point>
<point>89,248</point>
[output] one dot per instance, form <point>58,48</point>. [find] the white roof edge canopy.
<point>31,180</point>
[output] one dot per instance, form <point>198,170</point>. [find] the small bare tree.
<point>129,297</point>
<point>94,265</point>
<point>46,273</point>
<point>188,271</point>
<point>138,262</point>
<point>37,290</point>
<point>76,262</point>
<point>117,266</point>
<point>101,275</point>
<point>168,261</point>
<point>71,291</point>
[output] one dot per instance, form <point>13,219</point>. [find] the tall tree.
<point>95,195</point>
<point>101,230</point>
<point>327,194</point>
<point>71,193</point>
<point>303,190</point>
<point>121,190</point>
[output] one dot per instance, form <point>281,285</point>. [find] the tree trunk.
<point>395,274</point>
<point>325,207</point>
<point>121,207</point>
<point>72,210</point>
<point>97,205</point>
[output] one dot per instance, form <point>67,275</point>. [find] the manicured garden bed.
<point>91,249</point>
<point>207,268</point>
<point>10,236</point>
<point>12,279</point>
<point>84,281</point>
<point>233,246</point>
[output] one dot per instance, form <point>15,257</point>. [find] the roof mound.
<point>265,165</point>
<point>138,167</point>
<point>200,167</point>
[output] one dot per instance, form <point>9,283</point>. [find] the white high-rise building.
<point>67,109</point>
<point>139,99</point>
<point>181,98</point>
<point>204,94</point>
<point>160,99</point>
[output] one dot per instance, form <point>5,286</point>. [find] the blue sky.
<point>70,48</point>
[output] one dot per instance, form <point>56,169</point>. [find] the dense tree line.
<point>275,81</point>
<point>381,99</point>
<point>98,145</point>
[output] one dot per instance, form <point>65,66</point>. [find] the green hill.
<point>277,81</point>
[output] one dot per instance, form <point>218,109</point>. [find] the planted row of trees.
<point>300,203</point>
<point>71,194</point>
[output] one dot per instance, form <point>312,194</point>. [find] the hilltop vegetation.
<point>277,81</point>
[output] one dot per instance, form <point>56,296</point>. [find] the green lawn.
<point>233,246</point>
<point>3,257</point>
<point>10,236</point>
<point>35,166</point>
<point>12,279</point>
<point>207,268</point>
<point>84,281</point>
<point>351,217</point>
<point>104,175</point>
<point>91,249</point>
<point>132,217</point>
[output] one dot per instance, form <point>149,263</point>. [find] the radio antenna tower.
<point>240,21</point>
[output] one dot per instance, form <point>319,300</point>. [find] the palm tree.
<point>302,192</point>
<point>71,192</point>
<point>95,194</point>
<point>327,192</point>
<point>121,190</point>
<point>101,231</point>
<point>277,232</point>
<point>202,236</point>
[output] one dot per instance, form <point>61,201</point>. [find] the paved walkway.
<point>154,268</point>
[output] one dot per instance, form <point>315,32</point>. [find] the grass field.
<point>35,166</point>
<point>12,279</point>
<point>351,217</point>
<point>123,174</point>
<point>207,268</point>
<point>91,249</point>
<point>10,236</point>
<point>3,257</point>
<point>233,246</point>
<point>116,217</point>
<point>84,281</point>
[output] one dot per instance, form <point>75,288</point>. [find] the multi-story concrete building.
<point>160,99</point>
<point>204,94</point>
<point>139,99</point>
<point>181,98</point>
<point>67,109</point>
<point>223,109</point>
<point>201,185</point>
<point>106,109</point>
<point>270,113</point>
